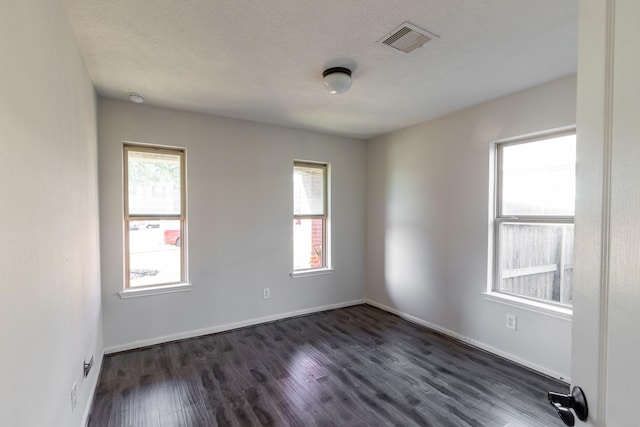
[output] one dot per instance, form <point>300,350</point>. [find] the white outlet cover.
<point>74,395</point>
<point>512,321</point>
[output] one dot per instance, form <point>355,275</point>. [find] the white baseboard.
<point>472,342</point>
<point>97,367</point>
<point>226,327</point>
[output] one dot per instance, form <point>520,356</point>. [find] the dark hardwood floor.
<point>357,366</point>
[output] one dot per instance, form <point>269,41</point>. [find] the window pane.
<point>154,252</point>
<point>154,183</point>
<point>308,190</point>
<point>538,178</point>
<point>536,260</point>
<point>308,242</point>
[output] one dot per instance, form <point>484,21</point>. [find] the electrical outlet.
<point>512,321</point>
<point>266,293</point>
<point>74,395</point>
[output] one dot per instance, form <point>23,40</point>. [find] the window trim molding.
<point>159,288</point>
<point>143,291</point>
<point>297,274</point>
<point>535,306</point>
<point>496,218</point>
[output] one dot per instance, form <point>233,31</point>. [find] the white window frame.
<point>326,225</point>
<point>553,308</point>
<point>159,288</point>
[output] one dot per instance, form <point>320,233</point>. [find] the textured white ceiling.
<point>262,60</point>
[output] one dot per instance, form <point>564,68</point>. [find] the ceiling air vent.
<point>407,37</point>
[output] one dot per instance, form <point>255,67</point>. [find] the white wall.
<point>428,217</point>
<point>239,185</point>
<point>50,315</point>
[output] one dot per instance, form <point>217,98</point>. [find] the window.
<point>310,248</point>
<point>535,200</point>
<point>154,216</point>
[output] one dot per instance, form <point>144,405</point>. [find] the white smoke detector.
<point>136,97</point>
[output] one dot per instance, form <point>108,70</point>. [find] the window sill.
<point>550,310</point>
<point>308,273</point>
<point>156,290</point>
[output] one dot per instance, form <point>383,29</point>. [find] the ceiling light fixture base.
<point>337,79</point>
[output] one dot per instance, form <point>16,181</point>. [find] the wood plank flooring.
<point>357,366</point>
